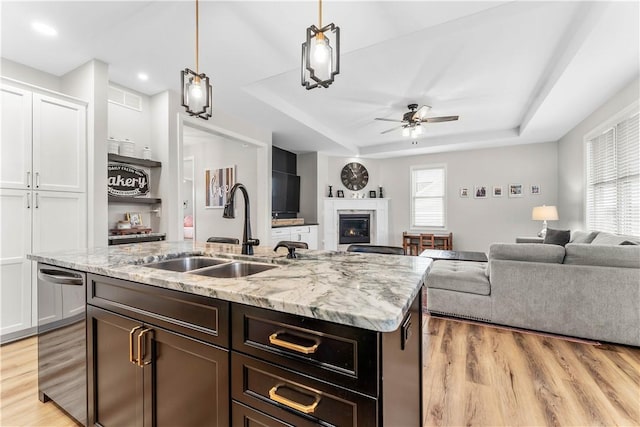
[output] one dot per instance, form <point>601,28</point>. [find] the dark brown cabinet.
<point>143,374</point>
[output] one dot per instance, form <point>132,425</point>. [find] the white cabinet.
<point>299,233</point>
<point>15,268</point>
<point>59,145</point>
<point>43,199</point>
<point>15,150</point>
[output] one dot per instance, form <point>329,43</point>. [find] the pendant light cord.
<point>197,32</point>
<point>319,13</point>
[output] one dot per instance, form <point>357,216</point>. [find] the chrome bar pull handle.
<point>37,179</point>
<point>131,358</point>
<point>28,179</point>
<point>37,200</point>
<point>29,201</point>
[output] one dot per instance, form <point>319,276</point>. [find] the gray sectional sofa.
<point>590,288</point>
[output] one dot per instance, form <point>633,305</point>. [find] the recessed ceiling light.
<point>44,29</point>
<point>143,76</point>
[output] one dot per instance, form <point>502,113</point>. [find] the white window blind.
<point>428,197</point>
<point>613,179</point>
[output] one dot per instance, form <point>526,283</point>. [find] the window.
<point>613,177</point>
<point>428,199</point>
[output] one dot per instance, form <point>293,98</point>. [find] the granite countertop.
<point>135,236</point>
<point>369,291</point>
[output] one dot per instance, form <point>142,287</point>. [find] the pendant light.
<point>196,89</point>
<point>320,61</point>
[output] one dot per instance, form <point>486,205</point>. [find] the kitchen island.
<point>328,338</point>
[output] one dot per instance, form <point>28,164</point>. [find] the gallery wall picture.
<point>497,191</point>
<point>480,192</point>
<point>218,182</point>
<point>464,192</point>
<point>535,189</point>
<point>515,190</point>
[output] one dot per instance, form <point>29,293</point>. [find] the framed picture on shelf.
<point>535,189</point>
<point>464,192</point>
<point>340,193</point>
<point>372,194</point>
<point>497,191</point>
<point>480,192</point>
<point>134,218</point>
<point>218,183</point>
<point>515,190</point>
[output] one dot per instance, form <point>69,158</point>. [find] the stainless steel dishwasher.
<point>62,372</point>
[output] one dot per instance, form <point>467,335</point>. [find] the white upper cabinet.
<point>59,145</point>
<point>15,150</point>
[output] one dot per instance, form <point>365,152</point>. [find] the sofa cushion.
<point>529,252</point>
<point>460,276</point>
<point>579,236</point>
<point>557,237</point>
<point>603,255</point>
<point>612,239</point>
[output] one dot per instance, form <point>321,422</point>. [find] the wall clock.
<point>354,176</point>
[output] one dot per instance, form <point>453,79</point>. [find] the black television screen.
<point>285,192</point>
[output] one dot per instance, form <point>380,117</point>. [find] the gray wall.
<point>307,167</point>
<point>219,152</point>
<point>475,223</point>
<point>571,157</point>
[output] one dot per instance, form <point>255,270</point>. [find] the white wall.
<point>127,123</point>
<point>214,153</point>
<point>475,223</point>
<point>26,74</point>
<point>571,158</point>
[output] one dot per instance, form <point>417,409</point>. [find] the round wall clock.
<point>354,176</point>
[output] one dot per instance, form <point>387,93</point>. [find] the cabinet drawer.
<point>340,354</point>
<point>249,417</point>
<point>280,232</point>
<point>297,399</point>
<point>193,315</point>
<point>305,229</point>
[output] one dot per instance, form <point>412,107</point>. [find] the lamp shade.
<point>544,213</point>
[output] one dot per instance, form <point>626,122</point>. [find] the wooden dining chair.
<point>410,243</point>
<point>427,241</point>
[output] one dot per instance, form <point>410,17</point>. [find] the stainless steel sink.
<point>187,263</point>
<point>234,269</point>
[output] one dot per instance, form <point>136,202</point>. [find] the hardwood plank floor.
<point>474,375</point>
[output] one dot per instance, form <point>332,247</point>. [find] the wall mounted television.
<point>285,192</point>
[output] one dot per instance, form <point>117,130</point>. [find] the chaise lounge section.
<point>587,290</point>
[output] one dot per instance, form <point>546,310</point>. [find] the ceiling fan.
<point>413,119</point>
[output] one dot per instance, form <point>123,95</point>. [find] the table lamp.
<point>544,213</point>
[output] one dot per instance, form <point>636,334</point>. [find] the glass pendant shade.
<point>406,131</point>
<point>197,94</point>
<point>320,60</point>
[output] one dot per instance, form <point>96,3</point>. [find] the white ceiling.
<point>515,72</point>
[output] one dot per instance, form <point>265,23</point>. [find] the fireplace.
<point>354,228</point>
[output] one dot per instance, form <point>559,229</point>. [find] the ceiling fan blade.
<point>391,130</point>
<point>422,112</point>
<point>388,120</point>
<point>440,119</point>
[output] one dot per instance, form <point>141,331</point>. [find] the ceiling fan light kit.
<point>320,61</point>
<point>197,93</point>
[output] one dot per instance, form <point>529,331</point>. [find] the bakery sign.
<point>127,181</point>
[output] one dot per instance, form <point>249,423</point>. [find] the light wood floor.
<point>474,375</point>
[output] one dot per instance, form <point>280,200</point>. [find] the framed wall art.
<point>218,182</point>
<point>515,190</point>
<point>535,189</point>
<point>464,192</point>
<point>497,191</point>
<point>480,192</point>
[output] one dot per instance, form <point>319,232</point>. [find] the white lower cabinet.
<point>15,268</point>
<point>298,233</point>
<point>36,221</point>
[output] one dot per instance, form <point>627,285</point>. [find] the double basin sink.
<point>212,267</point>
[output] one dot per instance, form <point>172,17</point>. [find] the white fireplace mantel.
<point>379,209</point>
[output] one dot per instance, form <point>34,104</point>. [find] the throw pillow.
<point>579,236</point>
<point>629,243</point>
<point>557,237</point>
